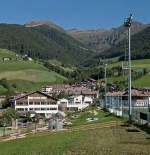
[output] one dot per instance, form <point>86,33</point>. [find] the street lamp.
<point>127,24</point>
<point>105,84</point>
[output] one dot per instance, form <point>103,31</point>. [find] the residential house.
<point>138,98</point>
<point>70,90</point>
<point>19,59</point>
<point>62,104</point>
<point>74,103</point>
<point>139,72</point>
<point>37,101</point>
<point>46,89</point>
<point>6,58</point>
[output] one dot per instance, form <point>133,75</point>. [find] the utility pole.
<point>105,85</point>
<point>127,24</point>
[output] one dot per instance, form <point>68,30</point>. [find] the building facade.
<point>74,103</point>
<point>38,102</point>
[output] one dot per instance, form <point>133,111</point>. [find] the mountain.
<point>140,47</point>
<point>45,22</point>
<point>43,42</point>
<point>102,39</point>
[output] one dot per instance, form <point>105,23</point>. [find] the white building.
<point>46,89</point>
<point>38,102</point>
<point>30,59</point>
<point>74,103</point>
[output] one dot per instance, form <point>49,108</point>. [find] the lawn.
<point>101,115</point>
<point>119,140</point>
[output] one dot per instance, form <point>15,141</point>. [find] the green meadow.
<point>27,75</point>
<point>141,82</point>
<point>119,140</point>
<point>98,138</point>
<point>136,65</point>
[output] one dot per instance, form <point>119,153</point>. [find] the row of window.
<point>36,103</point>
<point>35,109</point>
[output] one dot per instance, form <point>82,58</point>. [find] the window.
<point>19,103</point>
<point>53,108</point>
<point>37,109</point>
<point>25,103</point>
<point>20,109</point>
<point>36,103</point>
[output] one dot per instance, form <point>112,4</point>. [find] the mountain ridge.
<point>44,22</point>
<point>43,42</point>
<point>102,39</point>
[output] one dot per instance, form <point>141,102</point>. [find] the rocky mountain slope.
<point>102,39</point>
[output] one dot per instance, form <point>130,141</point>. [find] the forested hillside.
<point>140,47</point>
<point>43,42</point>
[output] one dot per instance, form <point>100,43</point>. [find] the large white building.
<point>38,102</point>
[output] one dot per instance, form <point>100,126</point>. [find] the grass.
<point>12,65</point>
<point>103,116</point>
<point>110,59</point>
<point>136,65</point>
<point>114,140</point>
<point>27,75</point>
<point>31,75</point>
<point>25,85</point>
<point>141,82</point>
<point>7,53</point>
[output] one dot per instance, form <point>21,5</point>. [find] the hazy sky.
<point>80,14</point>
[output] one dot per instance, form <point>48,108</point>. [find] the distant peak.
<point>45,22</point>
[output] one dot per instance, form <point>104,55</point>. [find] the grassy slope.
<point>27,75</point>
<point>136,65</point>
<point>141,82</point>
<point>116,140</point>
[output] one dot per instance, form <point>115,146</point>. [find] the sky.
<point>79,14</point>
